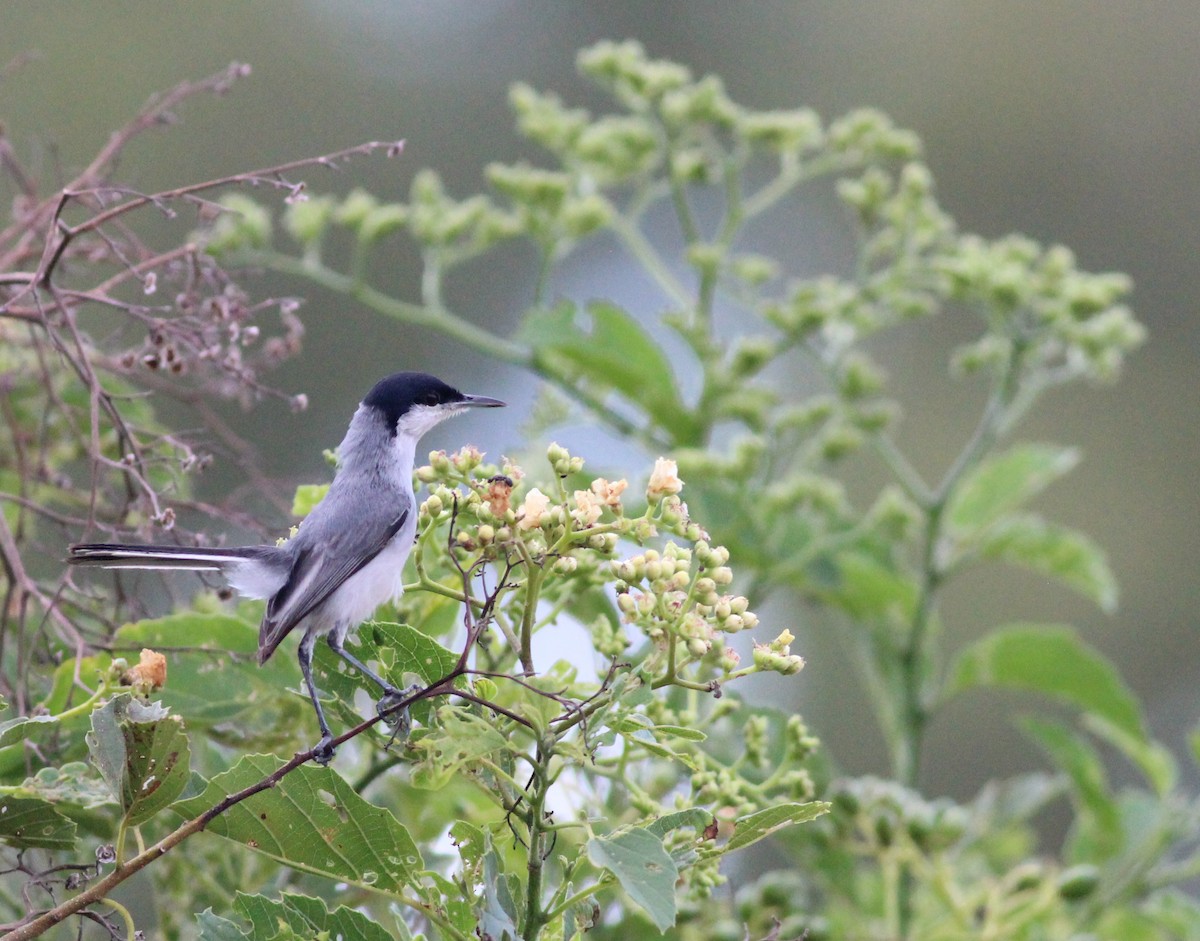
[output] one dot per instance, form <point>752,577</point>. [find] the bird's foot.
<point>397,717</point>
<point>323,751</point>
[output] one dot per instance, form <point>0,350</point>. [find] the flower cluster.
<point>678,594</point>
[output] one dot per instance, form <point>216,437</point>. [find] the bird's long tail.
<point>117,556</point>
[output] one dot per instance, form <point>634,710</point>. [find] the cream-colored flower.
<point>609,491</point>
<point>587,508</point>
<point>664,479</point>
<point>536,504</point>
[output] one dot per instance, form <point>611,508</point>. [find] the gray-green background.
<point>1074,122</point>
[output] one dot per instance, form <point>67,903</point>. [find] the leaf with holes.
<point>30,822</point>
<point>313,821</point>
<point>459,739</point>
<point>306,916</point>
<point>142,753</point>
<point>400,652</point>
<point>73,783</point>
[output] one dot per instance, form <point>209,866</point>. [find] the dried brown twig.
<point>96,324</point>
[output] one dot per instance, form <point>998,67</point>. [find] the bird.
<point>347,556</point>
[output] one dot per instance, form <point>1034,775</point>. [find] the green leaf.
<point>1005,482</point>
<point>697,818</point>
<point>470,842</point>
<point>1154,760</point>
<point>19,729</point>
<point>498,915</point>
<point>73,783</point>
<point>870,589</point>
<point>142,754</point>
<point>397,649</point>
<point>306,916</point>
<point>646,872</point>
<point>1056,551</point>
<point>1053,660</point>
<point>215,928</point>
<point>618,354</point>
<point>452,901</point>
<point>1098,828</point>
<point>460,739</point>
<point>757,826</point>
<point>29,822</point>
<point>312,820</point>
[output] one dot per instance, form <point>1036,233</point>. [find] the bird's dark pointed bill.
<point>482,401</point>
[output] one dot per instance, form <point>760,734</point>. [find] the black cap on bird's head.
<point>417,393</point>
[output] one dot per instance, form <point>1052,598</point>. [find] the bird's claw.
<point>398,719</point>
<point>322,752</point>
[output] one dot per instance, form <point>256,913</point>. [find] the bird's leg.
<point>323,752</point>
<point>391,695</point>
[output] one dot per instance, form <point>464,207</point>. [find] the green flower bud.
<point>839,441</point>
<point>705,258</point>
<point>487,535</point>
<point>244,224</point>
<point>1078,882</point>
<point>354,208</point>
<point>782,131</point>
<point>751,354</point>
<point>1026,877</point>
<point>382,221</point>
<point>307,220</point>
<point>626,570</point>
<point>859,376</point>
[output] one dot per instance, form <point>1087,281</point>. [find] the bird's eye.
<point>428,398</point>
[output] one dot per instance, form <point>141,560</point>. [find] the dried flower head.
<point>499,494</point>
<point>149,673</point>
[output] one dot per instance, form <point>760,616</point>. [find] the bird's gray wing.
<point>319,569</point>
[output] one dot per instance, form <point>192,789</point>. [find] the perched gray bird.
<point>348,556</point>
